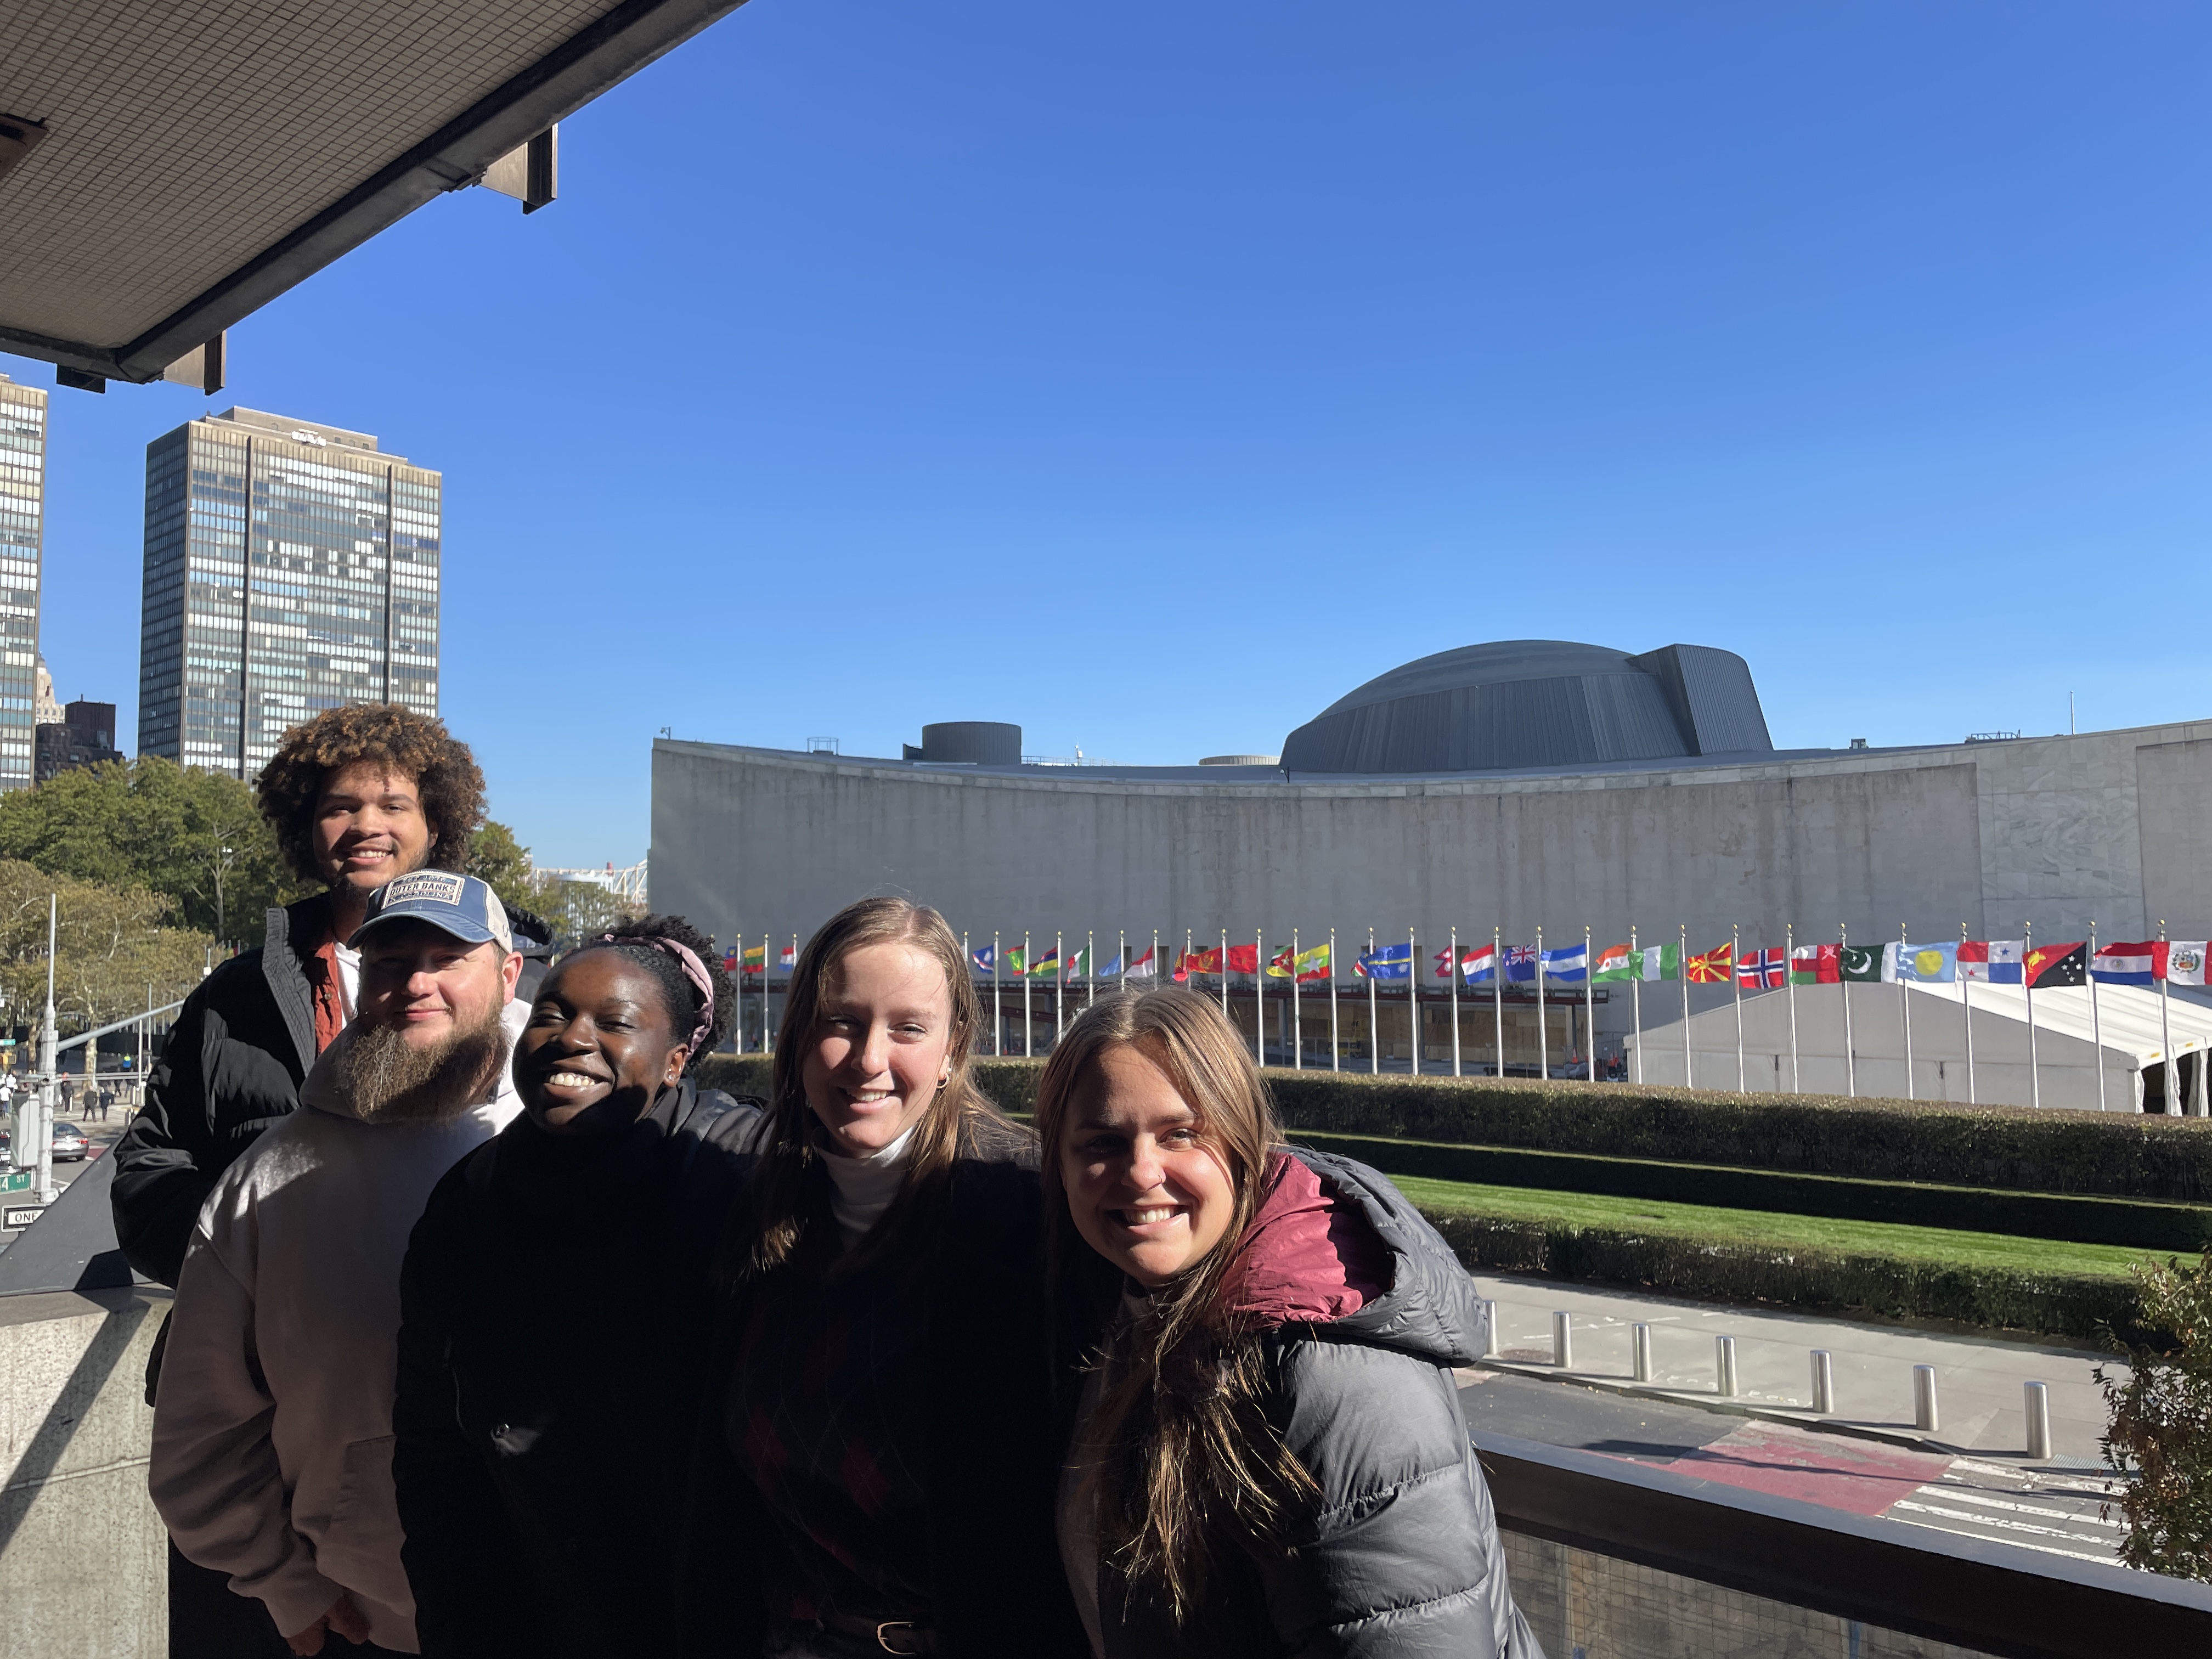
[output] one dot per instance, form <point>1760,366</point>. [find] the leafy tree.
<point>2162,1424</point>
<point>579,910</point>
<point>112,942</point>
<point>502,864</point>
<point>194,837</point>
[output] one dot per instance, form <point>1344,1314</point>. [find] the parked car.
<point>70,1143</point>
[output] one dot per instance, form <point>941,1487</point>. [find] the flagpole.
<point>1498,995</point>
<point>1453,948</point>
<point>967,962</point>
<point>1260,996</point>
<point>1374,1030</point>
<point>1966,1013</point>
<point>1904,1004</point>
<point>1543,1023</point>
<point>1413,995</point>
<point>998,1017</point>
<point>1844,986</point>
<point>1590,1009</point>
<point>1682,967</point>
<point>1122,956</point>
<point>2175,1106</point>
<point>1297,1028</point>
<point>1090,967</point>
<point>1334,1064</point>
<point>1635,1000</point>
<point>1222,964</point>
<point>1735,976</point>
<point>1058,983</point>
<point>2096,1020</point>
<point>1028,1042</point>
<point>2028,991</point>
<point>1790,987</point>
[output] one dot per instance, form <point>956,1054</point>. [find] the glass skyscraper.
<point>22,533</point>
<point>291,566</point>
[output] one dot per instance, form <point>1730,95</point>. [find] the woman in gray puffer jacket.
<point>1266,1455</point>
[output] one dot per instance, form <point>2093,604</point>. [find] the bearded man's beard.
<point>384,1079</point>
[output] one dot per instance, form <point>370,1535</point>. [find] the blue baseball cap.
<point>452,903</point>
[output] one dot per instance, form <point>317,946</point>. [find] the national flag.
<point>1144,968</point>
<point>1996,961</point>
<point>787,958</point>
<point>1017,964</point>
<point>1283,964</point>
<point>2127,964</point>
<point>1660,963</point>
<point>1112,969</point>
<point>1244,959</point>
<point>730,960</point>
<point>2185,960</point>
<point>753,958</point>
<point>1520,964</point>
<point>1760,969</point>
<point>1859,964</point>
<point>1815,965</point>
<point>1317,963</point>
<point>1207,961</point>
<point>1478,962</point>
<point>1391,962</point>
<point>1922,964</point>
<point>1715,967</point>
<point>986,958</point>
<point>1046,966</point>
<point>2057,964</point>
<point>1079,965</point>
<point>1613,961</point>
<point>1444,964</point>
<point>1570,964</point>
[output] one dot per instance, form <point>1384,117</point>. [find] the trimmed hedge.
<point>2082,1220</point>
<point>2082,1309</point>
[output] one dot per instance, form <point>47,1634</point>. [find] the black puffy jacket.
<point>555,1322</point>
<point>1401,1557</point>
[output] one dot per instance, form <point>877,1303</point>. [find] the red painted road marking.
<point>1862,1477</point>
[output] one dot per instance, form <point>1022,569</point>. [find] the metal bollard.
<point>1563,1343</point>
<point>2038,1421</point>
<point>1824,1383</point>
<point>1488,1328</point>
<point>1724,1366</point>
<point>1642,1336</point>
<point>1924,1415</point>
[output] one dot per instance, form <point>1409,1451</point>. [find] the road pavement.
<point>103,1137</point>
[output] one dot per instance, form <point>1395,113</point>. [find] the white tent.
<point>2127,1028</point>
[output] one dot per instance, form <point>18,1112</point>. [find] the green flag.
<point>1014,961</point>
<point>1860,963</point>
<point>1662,962</point>
<point>1079,965</point>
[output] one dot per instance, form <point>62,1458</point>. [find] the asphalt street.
<point>103,1137</point>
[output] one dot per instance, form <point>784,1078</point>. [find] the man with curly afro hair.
<point>357,795</point>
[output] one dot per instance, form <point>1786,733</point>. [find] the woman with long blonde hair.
<point>1269,1456</point>
<point>883,1400</point>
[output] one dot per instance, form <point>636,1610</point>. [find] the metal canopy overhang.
<point>537,94</point>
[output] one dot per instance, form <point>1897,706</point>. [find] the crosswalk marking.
<point>2106,1557</point>
<point>1995,1521</point>
<point>1957,1494</point>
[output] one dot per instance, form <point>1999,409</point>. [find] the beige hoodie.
<point>272,1427</point>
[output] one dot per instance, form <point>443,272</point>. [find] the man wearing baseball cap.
<point>272,1423</point>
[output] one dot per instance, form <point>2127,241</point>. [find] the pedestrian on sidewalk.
<point>558,1278</point>
<point>272,1422</point>
<point>1269,1456</point>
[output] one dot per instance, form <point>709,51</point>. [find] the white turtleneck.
<point>866,1186</point>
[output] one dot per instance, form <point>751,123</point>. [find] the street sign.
<point>19,1181</point>
<point>13,1219</point>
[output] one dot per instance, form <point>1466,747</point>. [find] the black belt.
<point>891,1635</point>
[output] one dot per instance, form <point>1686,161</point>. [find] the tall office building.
<point>22,533</point>
<point>291,566</point>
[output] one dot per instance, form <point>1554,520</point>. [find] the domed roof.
<point>1536,703</point>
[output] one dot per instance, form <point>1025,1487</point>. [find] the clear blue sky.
<point>1151,374</point>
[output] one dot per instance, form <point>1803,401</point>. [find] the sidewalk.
<point>1978,1382</point>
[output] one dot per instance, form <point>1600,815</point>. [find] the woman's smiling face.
<point>1144,1189</point>
<point>597,1047</point>
<point>880,1048</point>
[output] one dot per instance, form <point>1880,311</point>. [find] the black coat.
<point>990,1468</point>
<point>1400,1559</point>
<point>241,1046</point>
<point>556,1319</point>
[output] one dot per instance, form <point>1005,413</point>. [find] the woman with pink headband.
<point>555,1315</point>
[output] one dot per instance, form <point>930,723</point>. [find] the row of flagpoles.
<point>1962,962</point>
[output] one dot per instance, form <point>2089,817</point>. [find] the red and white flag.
<point>1145,967</point>
<point>1760,969</point>
<point>2185,960</point>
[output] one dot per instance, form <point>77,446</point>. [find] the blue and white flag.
<point>1571,964</point>
<point>1391,962</point>
<point>2125,964</point>
<point>1921,964</point>
<point>986,959</point>
<point>1520,965</point>
<point>1112,969</point>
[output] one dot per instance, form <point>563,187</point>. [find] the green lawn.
<point>1766,1227</point>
